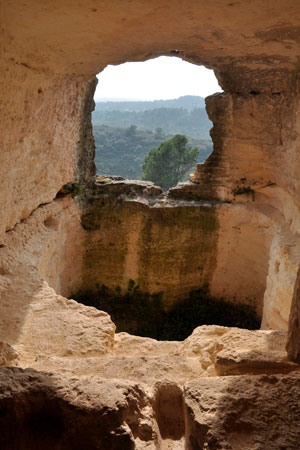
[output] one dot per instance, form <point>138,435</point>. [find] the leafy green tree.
<point>119,154</point>
<point>167,164</point>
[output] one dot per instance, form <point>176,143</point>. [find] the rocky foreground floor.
<point>69,381</point>
<point>218,389</point>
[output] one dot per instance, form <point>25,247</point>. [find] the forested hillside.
<point>126,131</point>
<point>121,151</point>
<point>193,123</point>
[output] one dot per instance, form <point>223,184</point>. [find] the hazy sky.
<point>164,78</point>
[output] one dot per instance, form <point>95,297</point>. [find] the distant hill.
<point>125,131</point>
<point>193,123</point>
<point>188,102</point>
<point>121,151</point>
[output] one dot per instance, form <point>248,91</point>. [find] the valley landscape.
<point>125,132</point>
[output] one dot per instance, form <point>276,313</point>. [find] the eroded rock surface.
<point>121,391</point>
<point>103,390</point>
<point>145,394</point>
<point>48,82</point>
<point>236,413</point>
<point>74,367</point>
<point>54,412</point>
<point>138,382</point>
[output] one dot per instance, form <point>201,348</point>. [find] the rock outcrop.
<point>68,380</point>
<point>240,412</point>
<point>121,390</point>
<point>145,394</point>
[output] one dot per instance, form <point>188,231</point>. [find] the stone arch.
<point>48,69</point>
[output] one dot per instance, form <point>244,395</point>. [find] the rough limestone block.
<point>243,412</point>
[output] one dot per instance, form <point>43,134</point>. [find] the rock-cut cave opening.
<point>150,257</point>
<point>160,262</point>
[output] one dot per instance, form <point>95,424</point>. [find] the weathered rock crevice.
<point>168,409</point>
<point>85,166</point>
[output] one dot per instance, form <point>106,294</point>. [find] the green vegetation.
<point>74,189</point>
<point>193,123</point>
<point>169,163</point>
<point>121,151</point>
<point>244,190</point>
<point>143,314</point>
<point>200,308</point>
<point>135,312</point>
<point>126,131</point>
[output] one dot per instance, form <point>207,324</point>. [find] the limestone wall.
<point>50,53</point>
<point>148,394</point>
<point>167,249</point>
<point>254,163</point>
<point>42,139</point>
<point>173,246</point>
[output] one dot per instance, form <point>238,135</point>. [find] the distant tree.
<point>131,131</point>
<point>167,164</point>
<point>159,133</point>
